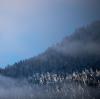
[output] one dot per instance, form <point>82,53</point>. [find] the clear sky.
<point>29,27</point>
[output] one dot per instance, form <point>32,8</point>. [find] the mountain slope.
<point>76,52</point>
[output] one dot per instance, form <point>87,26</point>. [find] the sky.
<point>29,27</point>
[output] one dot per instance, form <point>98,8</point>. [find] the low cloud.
<point>15,89</point>
<point>76,48</point>
<point>84,40</point>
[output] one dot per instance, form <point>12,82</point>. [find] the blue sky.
<point>29,27</point>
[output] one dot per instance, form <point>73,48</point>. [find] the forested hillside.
<point>76,52</point>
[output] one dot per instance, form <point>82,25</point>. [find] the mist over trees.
<point>56,87</point>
